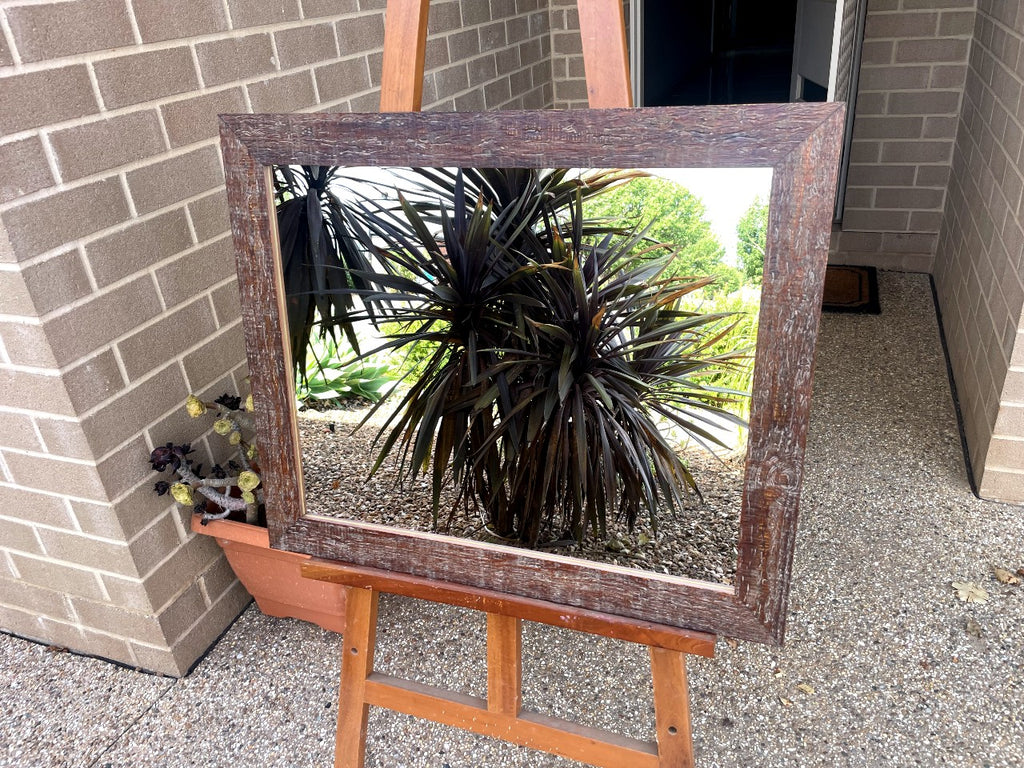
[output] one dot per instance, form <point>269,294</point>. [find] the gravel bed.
<point>698,542</point>
<point>61,709</point>
<point>883,665</point>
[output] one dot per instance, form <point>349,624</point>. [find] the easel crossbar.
<point>540,611</point>
<point>527,729</point>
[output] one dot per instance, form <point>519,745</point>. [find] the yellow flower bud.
<point>248,404</point>
<point>223,426</point>
<point>182,494</point>
<point>195,407</point>
<point>248,497</point>
<point>251,453</point>
<point>248,480</point>
<point>235,438</point>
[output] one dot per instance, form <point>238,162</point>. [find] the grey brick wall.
<point>117,290</point>
<point>979,270</point>
<point>566,58</point>
<point>913,67</point>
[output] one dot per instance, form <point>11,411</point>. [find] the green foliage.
<point>752,235</point>
<point>414,356</point>
<point>670,215</point>
<point>332,375</point>
<point>738,344</point>
<point>554,352</point>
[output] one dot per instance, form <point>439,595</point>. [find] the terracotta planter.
<point>273,576</point>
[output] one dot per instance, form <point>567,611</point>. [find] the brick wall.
<point>570,83</point>
<point>913,66</point>
<point>483,56</point>
<point>117,292</point>
<point>566,60</point>
<point>979,270</point>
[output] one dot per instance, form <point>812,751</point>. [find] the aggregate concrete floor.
<point>894,669</point>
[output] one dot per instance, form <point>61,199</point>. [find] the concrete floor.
<point>876,634</point>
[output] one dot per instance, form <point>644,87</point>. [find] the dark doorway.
<point>717,51</point>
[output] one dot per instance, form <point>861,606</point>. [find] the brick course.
<point>51,30</point>
<point>158,20</point>
<point>31,226</point>
<point>44,97</point>
<point>141,77</point>
<point>570,87</point>
<point>137,246</point>
<point>102,145</point>
<point>28,169</point>
<point>194,119</point>
<point>56,281</point>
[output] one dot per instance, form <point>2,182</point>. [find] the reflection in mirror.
<point>558,359</point>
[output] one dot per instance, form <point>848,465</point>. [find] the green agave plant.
<point>331,375</point>
<point>557,352</point>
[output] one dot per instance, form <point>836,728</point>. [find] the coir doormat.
<point>851,289</point>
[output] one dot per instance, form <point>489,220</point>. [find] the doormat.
<point>851,289</point>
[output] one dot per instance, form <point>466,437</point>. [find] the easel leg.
<point>672,708</point>
<point>504,664</point>
<point>356,665</point>
<point>405,45</point>
<point>605,54</point>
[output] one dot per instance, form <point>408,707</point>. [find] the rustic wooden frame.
<point>799,142</point>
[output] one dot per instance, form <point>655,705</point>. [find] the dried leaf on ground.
<point>974,628</point>
<point>1003,576</point>
<point>808,689</point>
<point>785,702</point>
<point>970,592</point>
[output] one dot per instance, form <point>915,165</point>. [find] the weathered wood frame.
<point>799,142</point>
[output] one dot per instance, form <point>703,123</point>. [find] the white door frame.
<point>805,62</point>
<point>636,50</point>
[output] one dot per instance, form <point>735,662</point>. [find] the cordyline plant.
<point>317,260</point>
<point>232,489</point>
<point>558,352</point>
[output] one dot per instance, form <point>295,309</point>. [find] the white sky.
<point>726,192</point>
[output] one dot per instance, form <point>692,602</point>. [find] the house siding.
<point>979,269</point>
<point>117,288</point>
<point>912,74</point>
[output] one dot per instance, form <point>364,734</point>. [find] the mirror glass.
<point>476,343</point>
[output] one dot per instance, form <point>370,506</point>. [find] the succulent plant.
<point>235,490</point>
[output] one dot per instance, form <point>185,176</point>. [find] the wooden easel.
<point>500,715</point>
<point>605,56</point>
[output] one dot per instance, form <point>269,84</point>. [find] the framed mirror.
<point>795,145</point>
